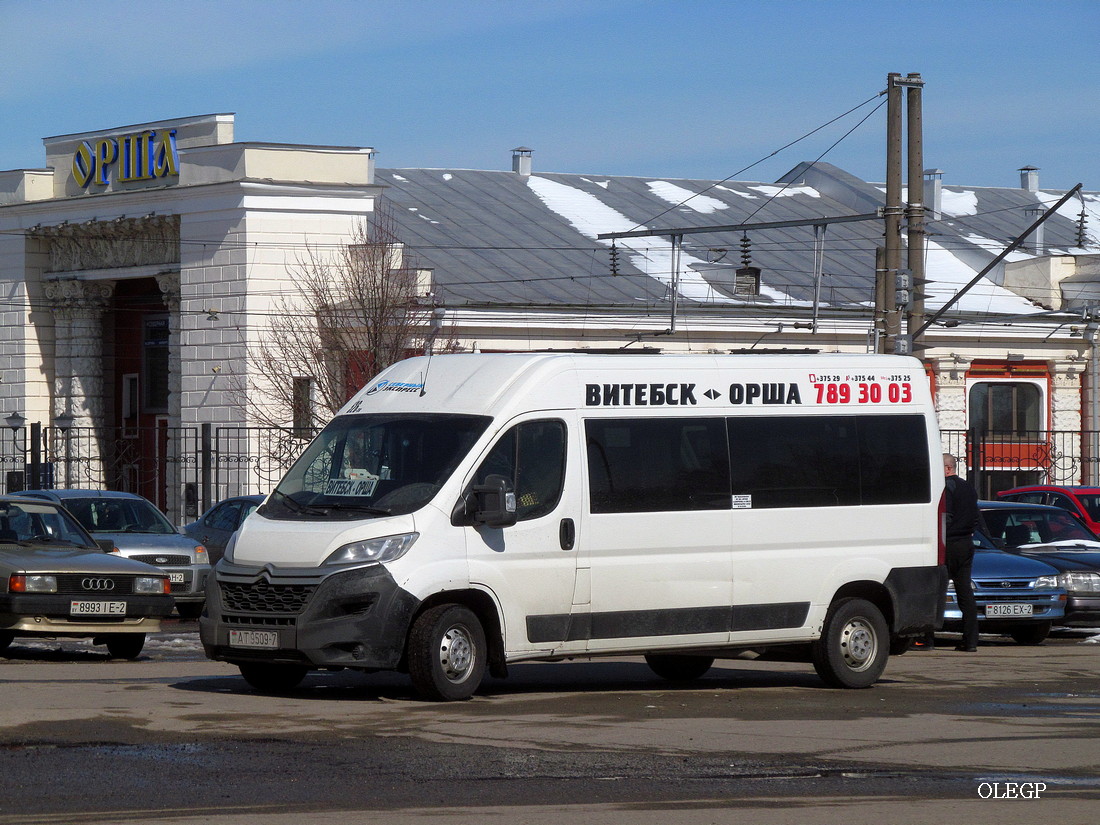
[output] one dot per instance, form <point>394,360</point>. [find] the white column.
<point>79,386</point>
<point>1070,461</point>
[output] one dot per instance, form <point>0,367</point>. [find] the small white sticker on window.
<point>742,502</point>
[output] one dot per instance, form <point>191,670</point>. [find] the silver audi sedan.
<point>57,582</point>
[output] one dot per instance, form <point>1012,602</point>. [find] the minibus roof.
<point>510,383</point>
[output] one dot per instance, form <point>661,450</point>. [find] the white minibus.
<point>465,512</point>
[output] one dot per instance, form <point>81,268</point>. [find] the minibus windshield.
<point>365,466</point>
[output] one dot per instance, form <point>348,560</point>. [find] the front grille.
<point>181,587</point>
<point>162,560</point>
<point>259,621</point>
<point>1003,584</point>
<point>264,597</point>
<point>104,586</point>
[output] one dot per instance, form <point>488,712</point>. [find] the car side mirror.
<point>494,502</point>
<point>106,545</point>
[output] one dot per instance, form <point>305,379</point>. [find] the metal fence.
<point>995,461</point>
<point>183,470</point>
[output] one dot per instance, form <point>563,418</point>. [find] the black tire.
<point>854,645</point>
<point>272,678</point>
<point>1030,634</point>
<point>6,638</point>
<point>447,653</point>
<point>678,668</point>
<point>125,645</point>
<point>190,610</point>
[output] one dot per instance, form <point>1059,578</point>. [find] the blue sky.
<point>681,89</point>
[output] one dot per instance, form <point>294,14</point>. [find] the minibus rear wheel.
<point>678,668</point>
<point>447,653</point>
<point>854,645</point>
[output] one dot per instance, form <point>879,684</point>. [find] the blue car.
<point>1017,596</point>
<point>1055,537</point>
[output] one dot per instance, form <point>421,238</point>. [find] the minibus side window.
<point>829,461</point>
<point>650,465</point>
<point>532,455</point>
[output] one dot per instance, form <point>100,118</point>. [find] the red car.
<point>1084,502</point>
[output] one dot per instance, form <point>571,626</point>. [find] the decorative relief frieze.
<point>122,242</point>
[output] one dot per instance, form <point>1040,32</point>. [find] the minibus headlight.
<point>385,548</point>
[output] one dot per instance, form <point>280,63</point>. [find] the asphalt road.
<point>945,737</point>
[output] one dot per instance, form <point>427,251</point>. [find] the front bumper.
<point>352,617</point>
<point>1082,611</point>
<point>49,613</point>
<point>1046,606</point>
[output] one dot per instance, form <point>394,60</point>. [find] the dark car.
<point>1016,595</point>
<point>1084,502</point>
<point>214,527</point>
<point>56,581</point>
<point>1056,537</point>
<point>140,531</point>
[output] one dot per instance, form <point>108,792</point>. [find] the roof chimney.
<point>933,194</point>
<point>1029,178</point>
<point>521,160</point>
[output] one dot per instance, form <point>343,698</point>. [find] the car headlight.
<point>201,556</point>
<point>32,584</point>
<point>1045,582</point>
<point>374,551</point>
<point>157,585</point>
<point>1079,581</point>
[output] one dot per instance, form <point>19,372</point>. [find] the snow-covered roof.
<point>501,238</point>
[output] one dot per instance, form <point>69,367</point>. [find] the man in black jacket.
<point>962,518</point>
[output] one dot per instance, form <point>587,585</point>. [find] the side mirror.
<point>494,502</point>
<point>106,545</point>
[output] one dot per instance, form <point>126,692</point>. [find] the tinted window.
<point>1029,498</point>
<point>532,455</point>
<point>1091,503</point>
<point>1065,502</point>
<point>225,517</point>
<point>656,465</point>
<point>825,461</point>
<point>1019,527</point>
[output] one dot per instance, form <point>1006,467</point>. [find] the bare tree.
<point>351,314</point>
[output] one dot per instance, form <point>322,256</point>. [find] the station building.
<point>141,263</point>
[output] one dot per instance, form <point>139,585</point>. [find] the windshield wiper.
<point>297,506</point>
<point>363,508</point>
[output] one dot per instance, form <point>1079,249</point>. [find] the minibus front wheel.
<point>447,653</point>
<point>854,645</point>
